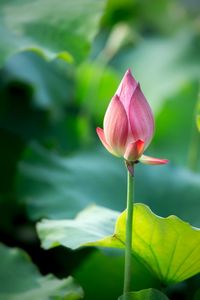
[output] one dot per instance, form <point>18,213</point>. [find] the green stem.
<point>194,150</point>
<point>129,222</point>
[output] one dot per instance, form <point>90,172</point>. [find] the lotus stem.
<point>129,227</point>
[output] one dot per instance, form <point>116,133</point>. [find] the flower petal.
<point>101,136</point>
<point>147,160</point>
<point>126,89</point>
<point>134,150</point>
<point>116,126</point>
<point>141,117</point>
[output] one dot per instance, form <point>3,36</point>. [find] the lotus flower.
<point>128,125</point>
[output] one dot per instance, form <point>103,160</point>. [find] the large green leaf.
<point>56,27</point>
<point>43,91</point>
<point>149,294</point>
<point>51,86</point>
<point>20,280</point>
<point>168,246</point>
<point>58,187</point>
<point>90,225</point>
<point>67,185</point>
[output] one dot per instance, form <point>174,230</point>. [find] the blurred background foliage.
<point>61,62</point>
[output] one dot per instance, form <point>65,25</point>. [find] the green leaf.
<point>168,246</point>
<point>54,186</point>
<point>148,294</point>
<point>51,88</point>
<point>20,280</point>
<point>45,92</point>
<point>58,195</point>
<point>55,27</point>
<point>89,226</point>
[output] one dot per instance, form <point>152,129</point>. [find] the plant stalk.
<point>193,156</point>
<point>129,222</point>
<point>194,149</point>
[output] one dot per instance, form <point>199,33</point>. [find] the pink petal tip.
<point>147,160</point>
<point>102,138</point>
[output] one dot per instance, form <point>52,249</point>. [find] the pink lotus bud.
<point>128,125</point>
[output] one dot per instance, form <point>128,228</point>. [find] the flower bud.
<point>128,125</point>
